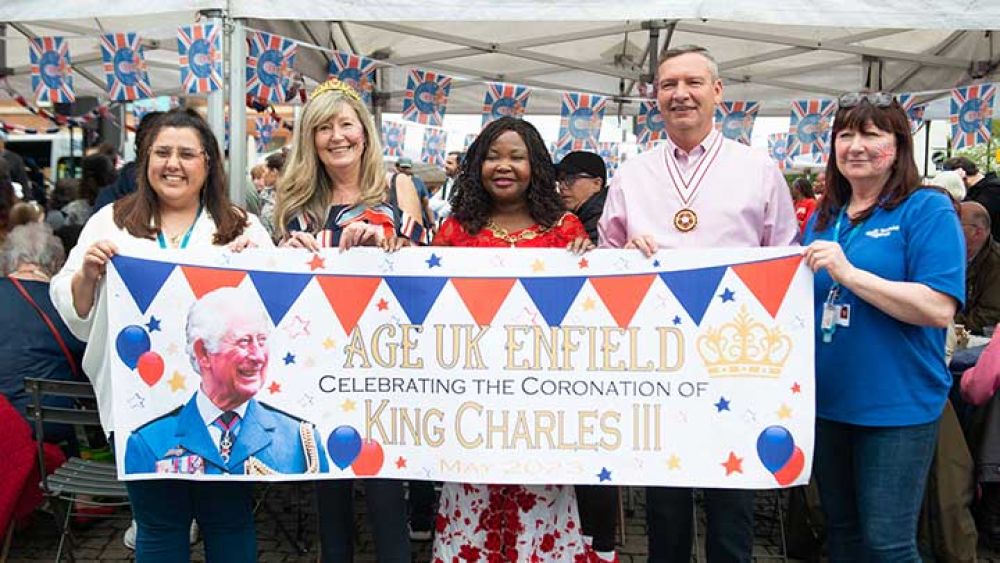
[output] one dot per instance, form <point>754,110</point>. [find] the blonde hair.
<point>304,186</point>
<point>258,171</point>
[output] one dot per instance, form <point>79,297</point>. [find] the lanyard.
<point>828,325</point>
<point>187,235</point>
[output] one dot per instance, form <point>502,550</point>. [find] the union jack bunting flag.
<point>393,137</point>
<point>199,50</point>
<point>469,139</point>
<point>269,64</point>
<point>354,70</point>
<point>810,129</point>
<point>426,97</point>
<point>914,112</point>
<point>649,124</point>
<point>435,143</point>
<point>51,73</point>
<point>266,126</point>
<point>971,115</point>
<point>735,120</point>
<point>777,147</point>
<point>643,147</point>
<point>504,100</point>
<point>125,67</point>
<point>580,125</point>
<point>611,155</point>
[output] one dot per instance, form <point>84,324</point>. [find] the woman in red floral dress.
<point>506,197</point>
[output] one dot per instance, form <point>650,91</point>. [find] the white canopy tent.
<point>772,52</point>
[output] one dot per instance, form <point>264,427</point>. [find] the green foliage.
<point>984,155</point>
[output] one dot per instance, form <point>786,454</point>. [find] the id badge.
<point>844,316</point>
<point>829,318</point>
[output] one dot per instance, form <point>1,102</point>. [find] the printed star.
<point>348,405</point>
<point>172,349</point>
<point>177,382</point>
<point>784,412</point>
<point>274,387</point>
<point>329,343</point>
<point>289,358</point>
<point>677,320</point>
<point>604,475</point>
<point>306,400</point>
<point>136,402</point>
<point>624,264</point>
<point>588,304</point>
<point>733,464</point>
<point>382,305</point>
<point>796,388</point>
<point>722,405</point>
<point>434,261</point>
<point>538,266</point>
<point>310,362</point>
<point>316,263</point>
<point>401,463</point>
<point>750,416</point>
<point>673,462</point>
<point>583,263</point>
<point>387,265</point>
<point>298,327</point>
<point>656,263</point>
<point>728,295</point>
<point>153,325</point>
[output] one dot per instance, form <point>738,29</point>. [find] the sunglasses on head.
<point>877,99</point>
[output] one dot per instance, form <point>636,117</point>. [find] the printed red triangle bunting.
<point>768,280</point>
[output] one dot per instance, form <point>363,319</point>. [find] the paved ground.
<point>277,526</point>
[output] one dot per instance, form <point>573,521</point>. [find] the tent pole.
<point>927,146</point>
<point>217,99</point>
<point>237,111</point>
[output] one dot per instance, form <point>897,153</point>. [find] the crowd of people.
<point>900,263</point>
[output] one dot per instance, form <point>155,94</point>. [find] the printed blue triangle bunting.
<point>553,296</point>
<point>416,294</point>
<point>694,288</point>
<point>279,291</point>
<point>143,278</point>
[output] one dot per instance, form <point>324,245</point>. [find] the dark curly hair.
<point>472,204</point>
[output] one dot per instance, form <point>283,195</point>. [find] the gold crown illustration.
<point>334,85</point>
<point>744,348</point>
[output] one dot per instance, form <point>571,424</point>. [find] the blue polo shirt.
<point>880,371</point>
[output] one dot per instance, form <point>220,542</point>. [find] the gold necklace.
<point>503,234</point>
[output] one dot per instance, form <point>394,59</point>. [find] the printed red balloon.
<point>369,461</point>
<point>150,367</point>
<point>792,469</point>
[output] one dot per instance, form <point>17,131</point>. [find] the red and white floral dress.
<point>508,523</point>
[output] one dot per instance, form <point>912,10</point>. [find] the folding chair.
<point>97,482</point>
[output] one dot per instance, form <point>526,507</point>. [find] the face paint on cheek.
<point>883,154</point>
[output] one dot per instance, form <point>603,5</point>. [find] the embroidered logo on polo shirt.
<point>882,232</point>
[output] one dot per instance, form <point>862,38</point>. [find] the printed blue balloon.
<point>132,342</point>
<point>344,445</point>
<point>775,447</point>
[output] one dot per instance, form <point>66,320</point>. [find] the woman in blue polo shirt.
<point>890,273</point>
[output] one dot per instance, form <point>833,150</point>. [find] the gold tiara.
<point>334,85</point>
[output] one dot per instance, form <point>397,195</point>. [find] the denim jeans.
<point>386,506</point>
<point>871,484</point>
<point>163,510</point>
<point>669,521</point>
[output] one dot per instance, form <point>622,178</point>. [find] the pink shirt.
<point>981,381</point>
<point>741,201</point>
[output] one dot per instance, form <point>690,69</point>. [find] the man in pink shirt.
<point>697,190</point>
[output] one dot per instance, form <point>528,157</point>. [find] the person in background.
<point>405,166</point>
<point>334,192</point>
<point>273,165</point>
<point>440,200</point>
<point>804,200</point>
<point>126,182</point>
<point>252,195</point>
<point>15,164</point>
<point>982,276</point>
<point>26,212</point>
<point>819,186</point>
<point>951,181</point>
<point>97,171</point>
<point>582,180</point>
<point>890,276</point>
<point>180,202</point>
<point>982,188</point>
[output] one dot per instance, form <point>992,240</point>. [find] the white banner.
<point>470,365</point>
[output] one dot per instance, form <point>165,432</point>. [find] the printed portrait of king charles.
<point>223,428</point>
